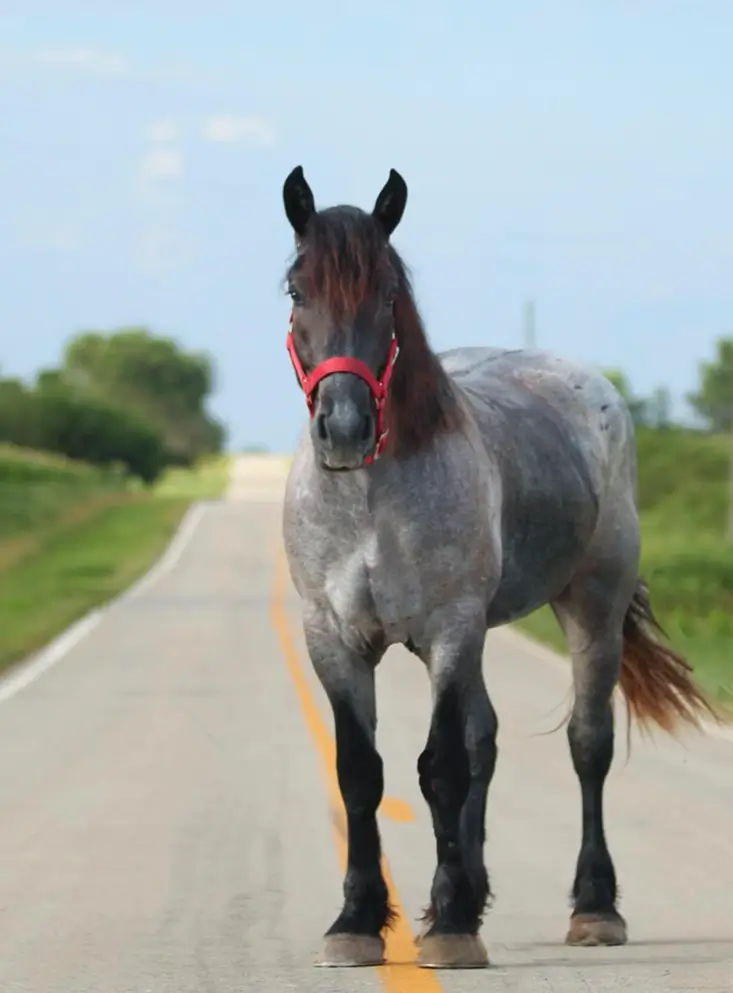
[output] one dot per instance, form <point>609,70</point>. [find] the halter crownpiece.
<point>343,363</point>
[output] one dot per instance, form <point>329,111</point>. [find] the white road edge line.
<point>171,556</point>
<point>24,673</point>
<point>544,654</point>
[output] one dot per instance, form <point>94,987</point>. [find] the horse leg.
<point>355,937</point>
<point>591,615</point>
<point>455,771</point>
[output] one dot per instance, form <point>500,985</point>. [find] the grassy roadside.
<point>706,642</point>
<point>75,538</point>
<point>208,482</point>
<point>683,492</point>
<point>707,650</point>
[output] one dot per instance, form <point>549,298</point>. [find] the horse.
<point>432,497</point>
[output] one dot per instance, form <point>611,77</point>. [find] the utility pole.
<point>530,333</point>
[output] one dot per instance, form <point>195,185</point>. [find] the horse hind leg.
<point>613,638</point>
<point>591,612</point>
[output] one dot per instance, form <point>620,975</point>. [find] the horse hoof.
<point>596,929</point>
<point>349,951</point>
<point>452,951</point>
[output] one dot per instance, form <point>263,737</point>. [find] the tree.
<point>637,406</point>
<point>714,398</point>
<point>153,376</point>
<point>54,417</point>
<point>91,430</point>
<point>16,413</point>
<point>658,408</point>
<point>714,402</point>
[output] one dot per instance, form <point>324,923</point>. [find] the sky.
<point>579,154</point>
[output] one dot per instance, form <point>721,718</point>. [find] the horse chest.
<point>376,586</point>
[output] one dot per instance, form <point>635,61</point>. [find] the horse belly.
<point>537,573</point>
<point>515,600</point>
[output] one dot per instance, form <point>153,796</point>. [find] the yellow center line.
<point>400,973</point>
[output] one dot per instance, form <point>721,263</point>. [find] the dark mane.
<point>422,403</point>
<point>343,259</point>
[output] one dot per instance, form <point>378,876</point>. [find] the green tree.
<point>16,413</point>
<point>714,402</point>
<point>636,405</point>
<point>714,397</point>
<point>153,376</point>
<point>54,417</point>
<point>658,408</point>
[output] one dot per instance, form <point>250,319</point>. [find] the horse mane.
<point>343,260</point>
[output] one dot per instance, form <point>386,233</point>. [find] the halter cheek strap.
<point>377,387</point>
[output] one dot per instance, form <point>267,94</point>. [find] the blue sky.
<point>580,153</point>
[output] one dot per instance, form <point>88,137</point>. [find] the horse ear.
<point>298,200</point>
<point>390,204</point>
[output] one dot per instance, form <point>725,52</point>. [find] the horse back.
<point>562,439</point>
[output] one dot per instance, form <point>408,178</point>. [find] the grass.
<point>683,498</point>
<point>208,482</point>
<point>73,537</point>
<point>37,489</point>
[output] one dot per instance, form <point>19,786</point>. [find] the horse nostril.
<point>321,428</point>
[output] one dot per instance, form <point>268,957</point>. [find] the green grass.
<point>72,538</point>
<point>683,498</point>
<point>208,482</point>
<point>36,489</point>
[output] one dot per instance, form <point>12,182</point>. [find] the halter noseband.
<point>343,363</point>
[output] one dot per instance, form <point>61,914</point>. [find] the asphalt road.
<point>167,795</point>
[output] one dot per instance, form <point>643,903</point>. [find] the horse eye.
<point>295,296</point>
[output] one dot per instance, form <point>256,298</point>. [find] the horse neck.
<point>423,400</point>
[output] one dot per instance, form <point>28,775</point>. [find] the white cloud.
<point>84,60</point>
<point>163,132</point>
<point>230,128</point>
<point>161,164</point>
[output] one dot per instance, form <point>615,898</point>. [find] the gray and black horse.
<point>433,497</point>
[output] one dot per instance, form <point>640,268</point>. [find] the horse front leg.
<point>355,938</point>
<point>455,772</point>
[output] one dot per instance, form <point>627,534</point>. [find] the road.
<point>167,801</point>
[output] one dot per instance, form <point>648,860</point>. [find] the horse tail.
<point>656,681</point>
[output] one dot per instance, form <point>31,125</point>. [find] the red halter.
<point>377,387</point>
